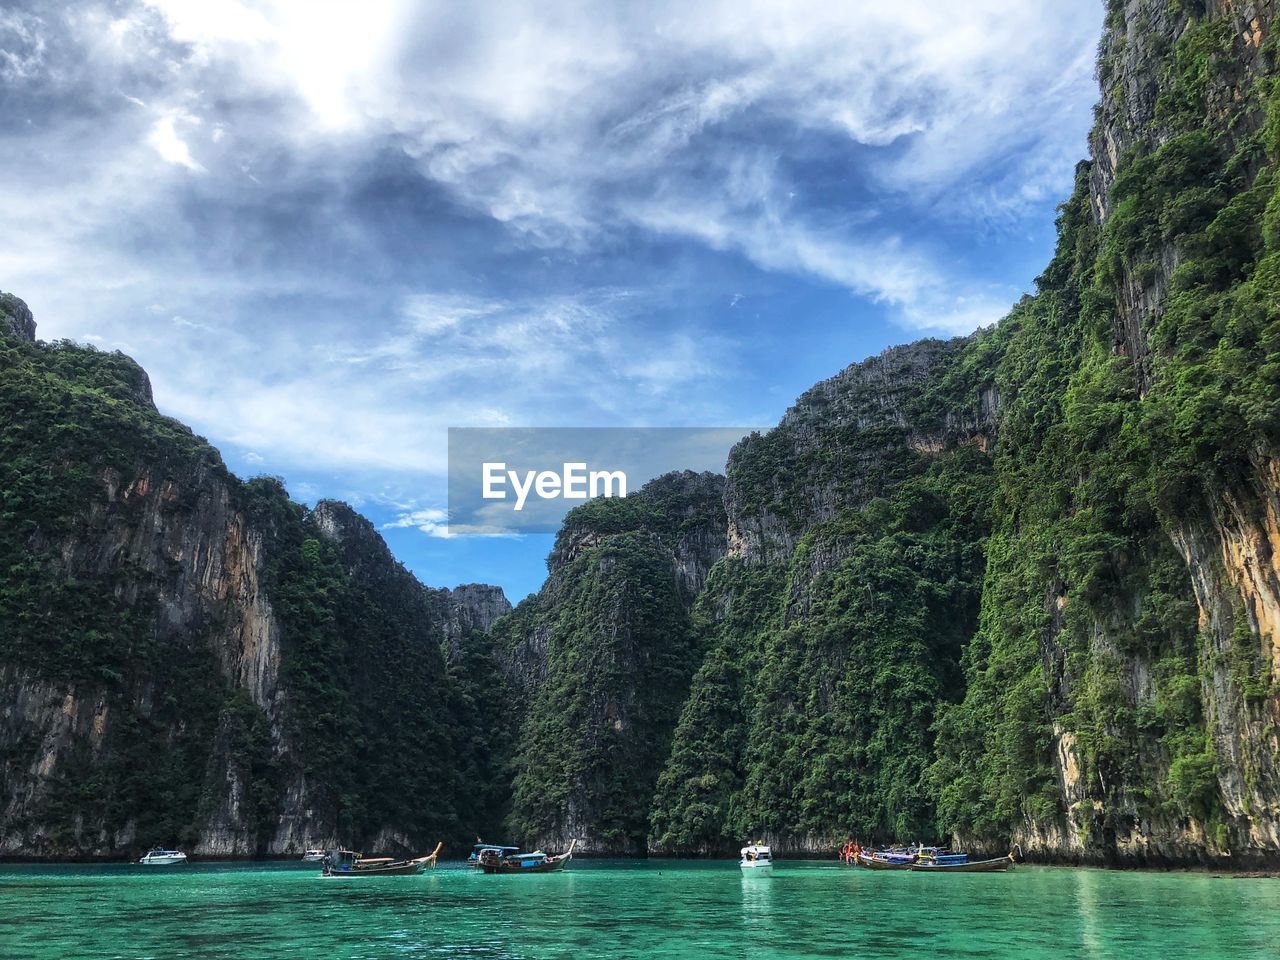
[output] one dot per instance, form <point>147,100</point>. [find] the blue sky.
<point>330,231</point>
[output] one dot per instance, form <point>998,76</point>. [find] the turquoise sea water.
<point>616,909</point>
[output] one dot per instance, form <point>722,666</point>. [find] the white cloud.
<point>311,398</point>
<point>22,46</point>
<point>164,139</point>
<point>432,521</point>
<point>577,126</point>
<point>215,21</point>
<point>573,120</point>
<point>436,313</point>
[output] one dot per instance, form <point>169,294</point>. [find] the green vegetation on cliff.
<point>102,501</point>
<point>616,648</point>
<point>1107,458</point>
<point>812,714</point>
<point>77,421</point>
<point>694,806</point>
<point>367,698</point>
<point>866,648</point>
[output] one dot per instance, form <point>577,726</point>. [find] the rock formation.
<point>178,649</point>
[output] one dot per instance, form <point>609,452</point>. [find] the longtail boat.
<point>965,865</point>
<point>878,860</point>
<point>853,854</point>
<point>481,847</point>
<point>348,863</point>
<point>494,861</point>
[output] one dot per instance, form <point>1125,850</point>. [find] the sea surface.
<point>662,909</point>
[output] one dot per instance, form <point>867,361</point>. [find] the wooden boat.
<point>853,854</point>
<point>494,861</point>
<point>347,863</point>
<point>481,847</point>
<point>963,866</point>
<point>873,860</point>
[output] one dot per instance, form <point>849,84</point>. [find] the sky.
<point>330,231</point>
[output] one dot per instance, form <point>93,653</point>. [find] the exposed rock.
<point>192,556</point>
<point>15,318</point>
<point>845,441</point>
<point>476,607</point>
<point>602,656</point>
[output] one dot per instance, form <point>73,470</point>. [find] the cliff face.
<point>1231,544</point>
<point>1023,587</point>
<point>16,319</point>
<point>850,438</point>
<point>1017,587</point>
<point>835,622</point>
<point>598,662</point>
<point>1129,716</point>
<point>1227,535</point>
<point>160,666</point>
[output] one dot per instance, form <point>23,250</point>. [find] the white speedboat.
<point>757,858</point>
<point>314,855</point>
<point>163,858</point>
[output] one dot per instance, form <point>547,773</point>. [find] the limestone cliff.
<point>1176,77</point>
<point>16,318</point>
<point>834,624</point>
<point>166,675</point>
<point>1023,587</point>
<point>849,438</point>
<point>599,661</point>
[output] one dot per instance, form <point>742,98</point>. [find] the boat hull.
<point>756,869</point>
<point>879,863</point>
<point>977,866</point>
<point>162,861</point>
<point>397,868</point>
<point>407,869</point>
<point>525,863</point>
<point>550,865</point>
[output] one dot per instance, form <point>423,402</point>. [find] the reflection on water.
<point>1092,938</point>
<point>757,898</point>
<point>658,909</point>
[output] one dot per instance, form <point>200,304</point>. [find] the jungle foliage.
<point>367,699</point>
<point>619,652</point>
<point>982,572</point>
<point>1105,458</point>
